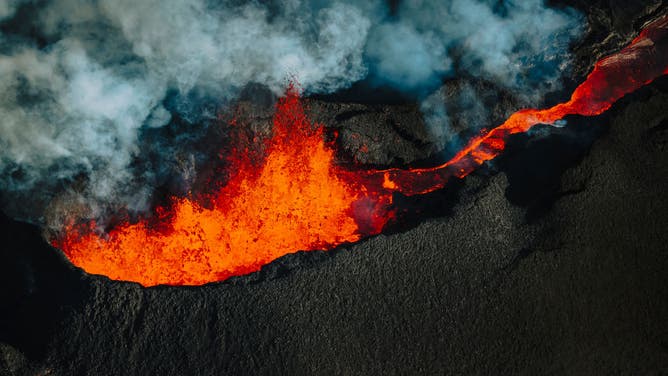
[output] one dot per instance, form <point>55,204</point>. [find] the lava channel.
<point>299,199</point>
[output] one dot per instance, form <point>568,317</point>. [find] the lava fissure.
<point>299,199</point>
<point>638,64</point>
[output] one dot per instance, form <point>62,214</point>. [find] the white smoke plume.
<point>80,84</point>
<point>520,46</point>
<point>8,7</point>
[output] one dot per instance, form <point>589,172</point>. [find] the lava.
<point>299,199</point>
<point>296,201</point>
<point>638,64</point>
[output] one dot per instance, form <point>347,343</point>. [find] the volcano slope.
<point>552,260</point>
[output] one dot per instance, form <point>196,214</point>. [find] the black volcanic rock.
<point>375,134</point>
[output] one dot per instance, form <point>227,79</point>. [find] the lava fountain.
<point>299,199</point>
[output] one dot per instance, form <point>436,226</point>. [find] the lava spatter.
<point>294,201</point>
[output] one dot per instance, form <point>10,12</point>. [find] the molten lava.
<point>638,64</point>
<point>298,199</point>
<point>295,202</point>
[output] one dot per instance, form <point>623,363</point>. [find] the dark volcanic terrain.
<point>553,259</point>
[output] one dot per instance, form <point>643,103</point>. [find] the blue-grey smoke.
<point>89,76</point>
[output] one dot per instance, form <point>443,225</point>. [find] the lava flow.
<point>638,64</point>
<point>298,199</point>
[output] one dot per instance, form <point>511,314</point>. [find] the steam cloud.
<point>86,77</point>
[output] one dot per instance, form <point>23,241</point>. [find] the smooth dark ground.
<point>553,260</point>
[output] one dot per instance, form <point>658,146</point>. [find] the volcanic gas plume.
<point>299,199</point>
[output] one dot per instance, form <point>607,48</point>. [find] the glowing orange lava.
<point>298,199</point>
<point>638,64</point>
<point>295,202</point>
